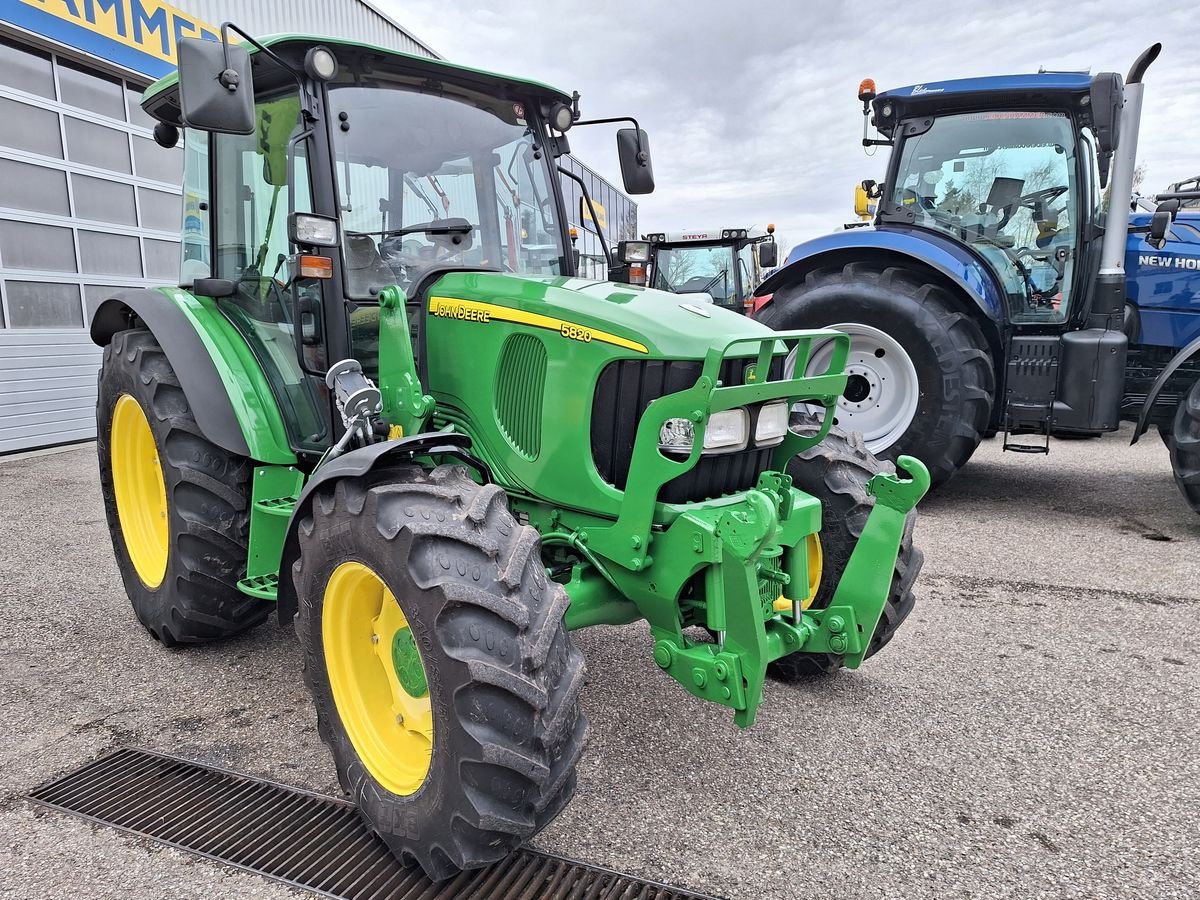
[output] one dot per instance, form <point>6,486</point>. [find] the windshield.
<point>1005,183</point>
<point>446,178</point>
<point>684,270</point>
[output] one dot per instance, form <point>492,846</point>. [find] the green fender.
<point>223,382</point>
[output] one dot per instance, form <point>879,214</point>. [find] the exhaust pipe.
<point>1109,298</point>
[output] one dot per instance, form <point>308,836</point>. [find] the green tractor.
<point>382,406</point>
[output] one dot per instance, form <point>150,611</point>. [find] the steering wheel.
<point>1030,201</point>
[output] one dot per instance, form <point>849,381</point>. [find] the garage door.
<point>88,203</point>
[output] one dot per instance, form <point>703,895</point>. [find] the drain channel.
<point>304,839</point>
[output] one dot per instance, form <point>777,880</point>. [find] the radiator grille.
<point>520,387</point>
<point>624,390</point>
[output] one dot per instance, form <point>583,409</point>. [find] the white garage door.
<point>88,202</point>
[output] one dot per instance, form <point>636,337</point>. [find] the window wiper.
<point>713,280</point>
<point>449,226</point>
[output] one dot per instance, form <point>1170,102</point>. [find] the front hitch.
<point>847,624</point>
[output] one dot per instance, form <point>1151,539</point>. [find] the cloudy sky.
<point>751,107</point>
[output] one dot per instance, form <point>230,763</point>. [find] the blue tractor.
<point>1010,284</point>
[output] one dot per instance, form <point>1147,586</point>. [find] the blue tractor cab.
<point>1010,282</point>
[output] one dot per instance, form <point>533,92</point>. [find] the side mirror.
<point>1106,97</point>
<point>633,149</point>
<point>214,96</point>
<point>768,254</point>
<point>1160,224</point>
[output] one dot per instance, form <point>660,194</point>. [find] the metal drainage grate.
<point>304,839</point>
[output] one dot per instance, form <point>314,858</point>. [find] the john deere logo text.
<point>450,309</point>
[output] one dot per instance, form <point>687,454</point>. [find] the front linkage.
<point>737,565</point>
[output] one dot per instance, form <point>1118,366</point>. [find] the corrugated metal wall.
<point>51,279</point>
<point>353,19</point>
<point>47,388</point>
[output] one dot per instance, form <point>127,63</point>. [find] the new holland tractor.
<point>725,263</point>
<point>999,291</point>
<point>415,434</point>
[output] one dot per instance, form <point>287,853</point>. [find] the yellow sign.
<point>151,27</point>
<point>473,311</point>
<point>585,216</point>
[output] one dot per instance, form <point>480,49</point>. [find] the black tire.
<point>836,472</point>
<point>1185,447</point>
<point>947,349</point>
<point>208,503</point>
<point>507,725</point>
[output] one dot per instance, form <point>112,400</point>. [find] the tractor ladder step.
<point>306,840</point>
<point>1027,418</point>
<point>265,587</point>
<point>277,506</point>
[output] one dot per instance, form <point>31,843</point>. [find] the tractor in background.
<point>727,264</point>
<point>995,292</point>
<point>416,435</point>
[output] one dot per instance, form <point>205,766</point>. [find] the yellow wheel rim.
<point>377,678</point>
<point>140,491</point>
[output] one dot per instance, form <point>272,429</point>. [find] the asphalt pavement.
<point>1031,731</point>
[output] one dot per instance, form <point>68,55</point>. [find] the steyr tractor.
<point>411,431</point>
<point>999,290</point>
<point>727,263</point>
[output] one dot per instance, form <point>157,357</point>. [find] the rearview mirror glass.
<point>213,96</point>
<point>768,255</point>
<point>633,149</point>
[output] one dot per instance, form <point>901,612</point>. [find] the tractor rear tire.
<point>498,703</point>
<point>1185,447</point>
<point>945,349</point>
<point>836,472</point>
<point>178,506</point>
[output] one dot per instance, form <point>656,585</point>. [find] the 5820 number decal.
<point>575,332</point>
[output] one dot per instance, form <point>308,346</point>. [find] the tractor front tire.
<point>178,506</point>
<point>920,369</point>
<point>836,472</point>
<point>445,682</point>
<point>1184,446</point>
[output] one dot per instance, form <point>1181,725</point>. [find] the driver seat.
<point>366,272</point>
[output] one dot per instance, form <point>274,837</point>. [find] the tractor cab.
<point>1008,168</point>
<point>726,264</point>
<point>325,173</point>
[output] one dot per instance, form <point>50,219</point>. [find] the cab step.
<point>264,587</point>
<point>274,497</point>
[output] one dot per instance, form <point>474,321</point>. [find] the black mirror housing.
<point>633,150</point>
<point>1106,97</point>
<point>212,95</point>
<point>1160,224</point>
<point>768,254</point>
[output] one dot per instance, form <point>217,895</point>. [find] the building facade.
<point>88,201</point>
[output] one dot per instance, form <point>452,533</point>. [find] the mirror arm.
<point>637,131</point>
<point>591,209</point>
<point>308,100</point>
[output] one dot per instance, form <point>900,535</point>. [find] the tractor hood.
<point>644,321</point>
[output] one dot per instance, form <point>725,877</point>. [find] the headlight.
<point>727,431</point>
<point>634,251</point>
<point>772,424</point>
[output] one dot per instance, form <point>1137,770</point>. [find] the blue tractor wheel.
<point>1184,445</point>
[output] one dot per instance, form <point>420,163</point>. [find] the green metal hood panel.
<point>660,321</point>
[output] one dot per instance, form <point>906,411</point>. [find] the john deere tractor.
<point>411,431</point>
<point>1005,286</point>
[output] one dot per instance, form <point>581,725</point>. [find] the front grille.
<point>624,390</point>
